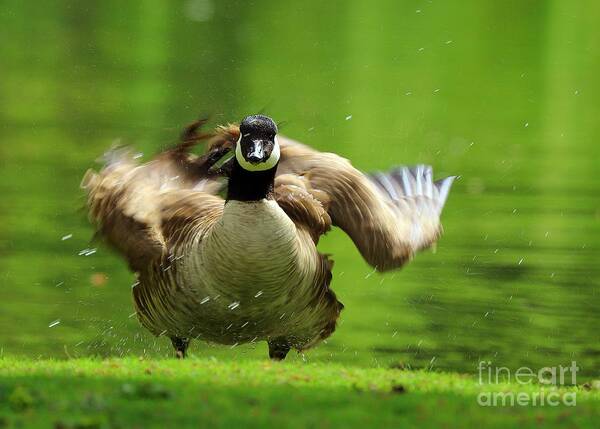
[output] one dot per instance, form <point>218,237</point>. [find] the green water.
<point>504,94</point>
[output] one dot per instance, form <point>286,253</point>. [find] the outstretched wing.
<point>389,216</point>
<point>138,208</point>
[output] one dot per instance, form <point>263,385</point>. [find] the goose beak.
<point>257,152</point>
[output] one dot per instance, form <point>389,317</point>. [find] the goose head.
<point>257,148</point>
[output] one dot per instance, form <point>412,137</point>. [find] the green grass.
<point>130,392</point>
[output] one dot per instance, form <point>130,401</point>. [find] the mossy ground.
<point>131,392</point>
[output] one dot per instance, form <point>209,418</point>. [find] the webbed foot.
<point>181,345</point>
<point>278,348</point>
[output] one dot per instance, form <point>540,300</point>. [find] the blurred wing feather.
<point>137,208</point>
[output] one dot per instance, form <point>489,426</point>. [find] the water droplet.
<point>371,273</point>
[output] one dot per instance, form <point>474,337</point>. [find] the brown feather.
<point>302,207</point>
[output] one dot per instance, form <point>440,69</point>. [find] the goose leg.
<point>181,345</point>
<point>278,348</point>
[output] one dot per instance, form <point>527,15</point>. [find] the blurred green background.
<point>504,93</point>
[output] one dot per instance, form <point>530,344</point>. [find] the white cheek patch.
<point>270,162</point>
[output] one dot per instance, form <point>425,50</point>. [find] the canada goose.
<point>246,267</point>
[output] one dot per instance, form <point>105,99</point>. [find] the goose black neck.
<point>247,185</point>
